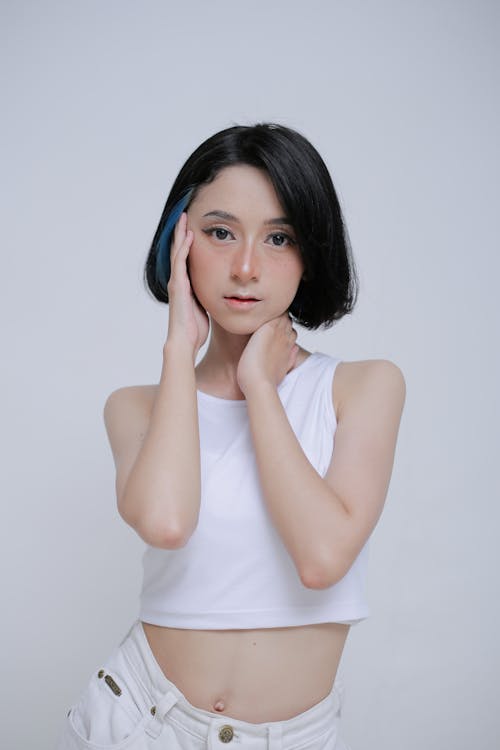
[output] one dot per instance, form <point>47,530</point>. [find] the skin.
<point>244,255</point>
<point>252,674</point>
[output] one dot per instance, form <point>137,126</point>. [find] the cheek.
<point>292,269</point>
<point>298,263</point>
<point>197,260</point>
<point>201,270</point>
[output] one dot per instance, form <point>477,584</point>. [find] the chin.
<point>244,328</point>
<point>243,323</point>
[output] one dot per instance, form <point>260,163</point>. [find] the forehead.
<point>239,189</point>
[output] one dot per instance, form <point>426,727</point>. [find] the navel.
<point>219,705</point>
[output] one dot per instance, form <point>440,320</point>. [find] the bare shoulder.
<point>126,415</point>
<point>370,401</point>
<point>128,397</point>
<point>376,378</point>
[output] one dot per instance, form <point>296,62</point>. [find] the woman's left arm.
<point>324,522</point>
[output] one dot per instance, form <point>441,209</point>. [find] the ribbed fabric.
<point>235,572</point>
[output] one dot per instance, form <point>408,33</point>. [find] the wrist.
<point>179,349</point>
<point>259,389</point>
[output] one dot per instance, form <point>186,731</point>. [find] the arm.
<point>324,522</point>
<point>157,449</point>
<point>157,453</point>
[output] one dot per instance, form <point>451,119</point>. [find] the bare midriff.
<point>268,674</point>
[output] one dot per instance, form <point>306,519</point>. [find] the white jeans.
<point>129,704</point>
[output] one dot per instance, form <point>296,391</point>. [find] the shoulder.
<point>370,379</point>
<point>128,396</point>
<point>128,409</point>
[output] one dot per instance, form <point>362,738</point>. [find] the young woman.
<point>254,477</point>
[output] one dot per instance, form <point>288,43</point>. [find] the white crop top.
<point>235,571</point>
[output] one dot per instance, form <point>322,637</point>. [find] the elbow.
<point>162,537</point>
<point>155,532</point>
<point>316,579</point>
<point>322,576</point>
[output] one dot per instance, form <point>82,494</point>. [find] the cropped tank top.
<point>235,571</point>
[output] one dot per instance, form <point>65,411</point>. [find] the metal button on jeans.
<point>226,733</point>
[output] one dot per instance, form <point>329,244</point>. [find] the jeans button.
<point>226,733</point>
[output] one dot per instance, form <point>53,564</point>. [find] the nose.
<point>245,263</point>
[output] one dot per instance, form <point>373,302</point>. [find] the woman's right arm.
<point>157,448</point>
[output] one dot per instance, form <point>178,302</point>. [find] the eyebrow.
<point>230,217</point>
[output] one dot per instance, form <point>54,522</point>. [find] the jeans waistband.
<point>320,718</point>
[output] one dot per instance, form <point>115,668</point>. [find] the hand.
<point>187,320</point>
<point>270,353</point>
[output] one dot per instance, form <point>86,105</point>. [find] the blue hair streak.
<point>163,254</point>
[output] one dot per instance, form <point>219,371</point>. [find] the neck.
<point>220,362</point>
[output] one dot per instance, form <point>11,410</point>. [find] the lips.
<point>243,297</point>
<point>241,303</point>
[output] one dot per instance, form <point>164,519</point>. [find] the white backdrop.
<point>102,102</point>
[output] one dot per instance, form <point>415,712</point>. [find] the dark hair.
<point>304,187</point>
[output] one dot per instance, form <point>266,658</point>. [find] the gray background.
<point>102,103</point>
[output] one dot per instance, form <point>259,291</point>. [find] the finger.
<point>186,245</point>
<point>180,231</point>
<point>179,227</point>
<point>179,236</point>
<point>181,253</point>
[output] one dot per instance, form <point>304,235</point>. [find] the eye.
<point>219,233</point>
<point>280,239</point>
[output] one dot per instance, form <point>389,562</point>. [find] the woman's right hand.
<point>187,320</point>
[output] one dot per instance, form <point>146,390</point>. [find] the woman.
<point>256,476</point>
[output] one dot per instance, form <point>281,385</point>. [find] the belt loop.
<point>158,713</point>
<point>274,738</point>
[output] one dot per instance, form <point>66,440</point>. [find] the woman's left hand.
<point>269,354</point>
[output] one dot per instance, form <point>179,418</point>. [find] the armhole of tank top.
<point>329,380</point>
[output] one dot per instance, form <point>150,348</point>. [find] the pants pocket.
<point>112,711</point>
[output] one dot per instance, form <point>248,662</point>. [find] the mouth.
<point>241,302</point>
<point>243,298</point>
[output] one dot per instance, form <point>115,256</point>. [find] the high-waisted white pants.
<point>129,704</point>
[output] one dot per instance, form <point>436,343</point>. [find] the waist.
<point>251,674</point>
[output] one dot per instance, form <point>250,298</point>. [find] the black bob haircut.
<point>329,287</point>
